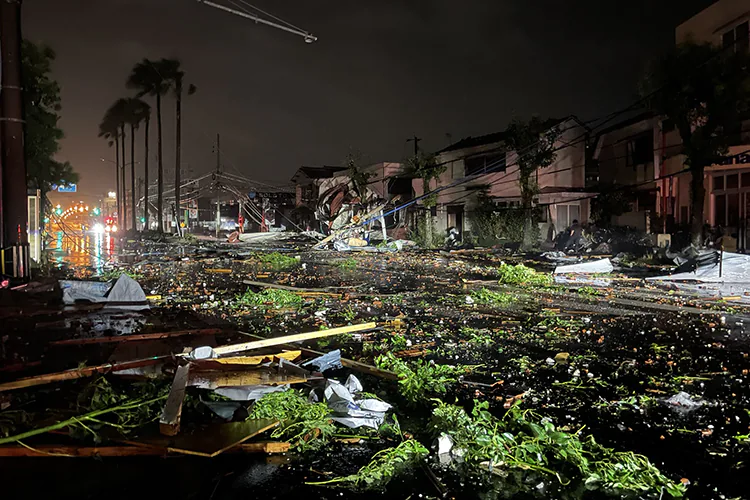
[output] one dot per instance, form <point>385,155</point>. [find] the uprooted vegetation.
<point>276,261</point>
<point>305,425</point>
<point>523,447</point>
<point>522,275</point>
<point>269,297</point>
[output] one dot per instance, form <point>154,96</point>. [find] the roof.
<point>472,142</point>
<point>483,140</point>
<point>627,122</point>
<point>321,172</point>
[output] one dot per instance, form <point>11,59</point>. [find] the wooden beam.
<point>169,423</point>
<point>80,451</point>
<point>76,373</point>
<point>55,451</point>
<point>137,337</point>
<point>248,346</point>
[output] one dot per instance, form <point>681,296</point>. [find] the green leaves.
<point>384,466</point>
<point>42,104</point>
<point>270,296</point>
<point>522,275</point>
<point>305,425</point>
<point>421,380</point>
<point>522,440</point>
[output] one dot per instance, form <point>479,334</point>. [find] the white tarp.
<point>735,268</point>
<point>590,267</point>
<point>125,289</point>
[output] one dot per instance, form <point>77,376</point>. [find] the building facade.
<point>563,196</point>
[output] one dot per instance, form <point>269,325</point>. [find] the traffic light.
<point>96,211</point>
<point>58,211</point>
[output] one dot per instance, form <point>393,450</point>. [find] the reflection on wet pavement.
<point>72,245</point>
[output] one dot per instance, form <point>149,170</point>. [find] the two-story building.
<point>725,23</point>
<point>494,171</point>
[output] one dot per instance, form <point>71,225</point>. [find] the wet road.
<point>77,245</point>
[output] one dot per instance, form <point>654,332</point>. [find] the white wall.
<point>709,24</point>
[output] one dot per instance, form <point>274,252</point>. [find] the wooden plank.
<point>213,440</point>
<point>247,360</point>
<point>263,447</point>
<point>169,423</point>
<point>248,346</point>
<point>54,451</point>
<point>137,337</point>
<point>77,373</point>
<point>235,378</point>
<point>80,451</point>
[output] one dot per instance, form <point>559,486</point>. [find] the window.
<point>640,150</point>
<point>738,38</point>
<point>733,181</point>
<point>742,37</point>
<point>566,214</point>
<point>746,179</point>
<point>720,210</point>
<point>718,182</point>
<point>485,164</point>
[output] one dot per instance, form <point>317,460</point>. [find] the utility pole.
<point>415,140</point>
<point>140,195</point>
<point>13,190</point>
<point>218,153</point>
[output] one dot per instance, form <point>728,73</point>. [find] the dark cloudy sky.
<point>382,70</point>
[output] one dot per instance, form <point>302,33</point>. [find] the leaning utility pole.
<point>218,192</point>
<point>13,187</point>
<point>415,140</point>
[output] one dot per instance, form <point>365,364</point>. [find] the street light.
<point>112,195</point>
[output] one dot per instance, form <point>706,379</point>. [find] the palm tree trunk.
<point>697,199</point>
<point>145,177</point>
<point>160,180</point>
<point>124,219</point>
<point>117,178</point>
<point>132,177</point>
<point>178,142</point>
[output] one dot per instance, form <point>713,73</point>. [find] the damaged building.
<point>563,194</point>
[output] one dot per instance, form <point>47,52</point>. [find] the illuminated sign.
<point>68,188</point>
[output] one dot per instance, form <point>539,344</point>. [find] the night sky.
<point>381,72</point>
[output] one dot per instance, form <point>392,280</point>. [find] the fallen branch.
<point>76,420</point>
<point>86,371</point>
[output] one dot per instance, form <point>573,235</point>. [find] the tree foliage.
<point>534,144</point>
<point>42,105</point>
<point>425,166</point>
<point>359,178</point>
<point>705,91</point>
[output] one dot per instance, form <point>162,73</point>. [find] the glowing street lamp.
<point>112,195</point>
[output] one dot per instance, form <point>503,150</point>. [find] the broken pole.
<point>86,371</point>
<point>137,337</point>
<point>169,423</point>
<point>259,344</point>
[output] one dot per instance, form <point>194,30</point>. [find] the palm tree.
<point>135,112</point>
<point>145,113</point>
<point>147,78</point>
<point>113,125</point>
<point>178,142</point>
<point>172,72</point>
